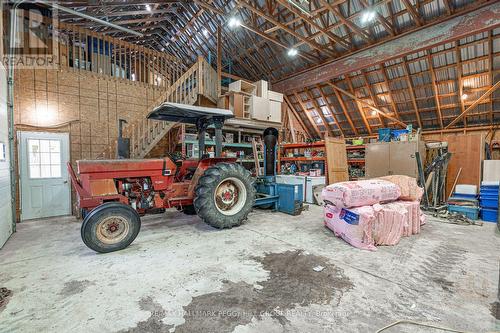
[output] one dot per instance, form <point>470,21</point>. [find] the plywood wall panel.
<point>52,97</point>
<point>467,153</point>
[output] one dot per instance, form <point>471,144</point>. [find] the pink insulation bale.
<point>360,193</point>
<point>354,225</point>
<point>412,212</point>
<point>389,224</point>
<point>408,186</point>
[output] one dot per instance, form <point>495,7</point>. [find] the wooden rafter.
<point>307,113</point>
<point>345,111</point>
<point>413,12</point>
<point>368,105</point>
<point>411,90</point>
<point>319,111</point>
<point>330,108</point>
<point>299,119</point>
<point>473,105</point>
<point>435,88</point>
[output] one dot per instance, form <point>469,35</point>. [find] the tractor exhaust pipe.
<point>270,141</point>
<point>123,144</point>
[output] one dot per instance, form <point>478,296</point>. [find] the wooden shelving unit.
<point>299,149</point>
<point>188,143</point>
<point>356,164</point>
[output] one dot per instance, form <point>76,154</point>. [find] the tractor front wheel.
<point>110,227</point>
<point>224,195</point>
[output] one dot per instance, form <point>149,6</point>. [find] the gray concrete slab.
<point>182,275</point>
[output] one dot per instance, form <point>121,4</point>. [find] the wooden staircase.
<point>198,81</point>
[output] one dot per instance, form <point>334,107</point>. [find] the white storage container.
<point>275,96</point>
<point>243,86</point>
<point>259,108</point>
<point>261,88</point>
<point>310,183</point>
<point>274,111</point>
<point>466,189</point>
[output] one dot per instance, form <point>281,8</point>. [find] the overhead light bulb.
<point>367,16</point>
<point>464,97</point>
<point>148,7</point>
<point>234,22</point>
<point>205,32</point>
<point>374,113</point>
<point>292,52</point>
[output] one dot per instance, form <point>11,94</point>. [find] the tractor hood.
<point>188,114</point>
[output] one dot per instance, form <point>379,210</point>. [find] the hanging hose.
<point>404,321</point>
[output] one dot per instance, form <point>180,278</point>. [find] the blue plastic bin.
<point>488,201</point>
<point>470,212</point>
<point>395,134</point>
<point>489,215</point>
<point>384,134</point>
<point>489,190</point>
<point>464,196</point>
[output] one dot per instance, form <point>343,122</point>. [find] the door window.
<point>44,158</point>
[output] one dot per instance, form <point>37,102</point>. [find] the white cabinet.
<point>310,183</point>
<point>274,111</point>
<point>259,108</point>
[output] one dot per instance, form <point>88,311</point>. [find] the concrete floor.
<point>182,275</point>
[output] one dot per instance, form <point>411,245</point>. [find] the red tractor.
<point>113,194</point>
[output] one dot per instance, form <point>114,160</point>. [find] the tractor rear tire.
<point>224,195</point>
<point>110,227</point>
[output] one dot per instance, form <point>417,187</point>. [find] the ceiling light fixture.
<point>148,7</point>
<point>205,32</point>
<point>368,16</point>
<point>464,97</point>
<point>234,22</point>
<point>374,113</point>
<point>292,52</point>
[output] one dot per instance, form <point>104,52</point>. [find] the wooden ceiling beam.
<point>330,108</point>
<point>270,19</point>
<point>374,98</point>
<point>473,105</point>
<point>308,114</point>
<point>312,23</point>
<point>413,12</point>
<point>411,90</point>
<point>370,106</point>
<point>298,117</point>
<point>435,88</point>
<point>335,9</point>
<point>345,111</point>
<point>319,111</point>
<point>357,100</point>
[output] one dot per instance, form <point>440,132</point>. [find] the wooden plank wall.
<point>467,153</point>
<point>92,104</point>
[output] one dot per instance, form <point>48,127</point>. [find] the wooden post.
<point>219,61</point>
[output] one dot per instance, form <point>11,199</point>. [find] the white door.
<point>45,189</point>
